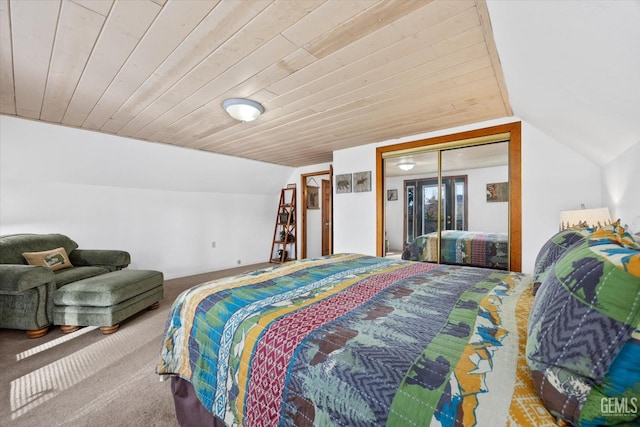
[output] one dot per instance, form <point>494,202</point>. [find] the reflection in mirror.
<point>455,214</point>
<point>484,242</point>
<point>409,216</point>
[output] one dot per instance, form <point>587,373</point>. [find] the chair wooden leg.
<point>38,332</point>
<point>67,329</point>
<point>106,330</point>
<point>154,305</point>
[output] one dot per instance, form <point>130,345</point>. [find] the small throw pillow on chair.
<point>55,259</point>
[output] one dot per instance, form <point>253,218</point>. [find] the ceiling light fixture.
<point>406,166</point>
<point>244,110</point>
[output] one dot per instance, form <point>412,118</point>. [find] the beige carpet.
<point>89,379</point>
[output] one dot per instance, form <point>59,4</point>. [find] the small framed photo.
<point>343,183</point>
<point>313,199</point>
<point>392,195</point>
<point>361,182</point>
<point>498,192</point>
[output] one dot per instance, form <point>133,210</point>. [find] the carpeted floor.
<point>89,379</point>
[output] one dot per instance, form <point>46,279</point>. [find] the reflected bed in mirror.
<point>461,247</point>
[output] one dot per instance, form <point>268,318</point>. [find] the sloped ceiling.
<point>572,69</point>
<point>330,74</point>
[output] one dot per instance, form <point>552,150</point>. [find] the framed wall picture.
<point>313,198</point>
<point>361,182</point>
<point>498,192</point>
<point>392,195</point>
<point>343,183</point>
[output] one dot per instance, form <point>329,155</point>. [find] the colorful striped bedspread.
<point>360,341</point>
<point>462,247</point>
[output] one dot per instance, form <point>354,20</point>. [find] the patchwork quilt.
<point>360,341</point>
<point>461,247</point>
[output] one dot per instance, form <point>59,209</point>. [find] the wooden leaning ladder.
<point>284,247</point>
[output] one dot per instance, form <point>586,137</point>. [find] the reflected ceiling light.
<point>244,110</point>
<point>406,166</point>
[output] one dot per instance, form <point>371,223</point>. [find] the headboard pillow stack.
<point>558,244</point>
<point>584,327</point>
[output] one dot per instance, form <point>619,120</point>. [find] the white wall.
<point>490,217</point>
<point>354,214</point>
<point>554,178</point>
<point>394,212</point>
<point>163,204</point>
<point>570,71</point>
<point>621,185</point>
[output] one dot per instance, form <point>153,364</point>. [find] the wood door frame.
<point>303,208</point>
<point>515,181</point>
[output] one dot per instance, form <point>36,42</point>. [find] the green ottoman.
<point>107,299</point>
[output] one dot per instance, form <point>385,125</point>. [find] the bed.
<point>355,340</point>
<point>357,348</point>
<point>475,248</point>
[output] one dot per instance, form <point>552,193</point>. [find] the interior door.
<point>316,224</point>
<point>326,217</point>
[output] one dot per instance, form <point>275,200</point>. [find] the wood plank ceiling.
<point>330,74</point>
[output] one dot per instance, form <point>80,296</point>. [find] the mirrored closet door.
<point>454,202</point>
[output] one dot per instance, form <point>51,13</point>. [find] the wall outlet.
<point>239,262</point>
<point>213,244</point>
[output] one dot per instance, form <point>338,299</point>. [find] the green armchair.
<point>26,291</point>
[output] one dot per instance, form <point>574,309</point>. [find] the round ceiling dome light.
<point>406,166</point>
<point>244,110</point>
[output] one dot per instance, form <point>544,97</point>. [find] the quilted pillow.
<point>616,233</point>
<point>558,244</point>
<point>55,259</point>
<point>582,318</point>
<point>553,249</point>
<point>622,382</point>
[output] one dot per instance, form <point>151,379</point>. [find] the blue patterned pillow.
<point>619,391</point>
<point>552,250</point>
<point>580,331</point>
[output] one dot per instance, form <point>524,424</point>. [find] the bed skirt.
<point>189,410</point>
